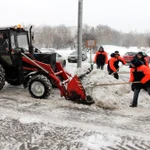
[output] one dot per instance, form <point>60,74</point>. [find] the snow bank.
<point>112,96</point>
<point>107,97</point>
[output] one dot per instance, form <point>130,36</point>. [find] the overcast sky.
<point>124,15</point>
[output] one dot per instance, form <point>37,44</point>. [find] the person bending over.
<point>113,64</point>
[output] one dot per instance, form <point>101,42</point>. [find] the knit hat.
<point>116,53</point>
<point>101,47</point>
<point>140,53</point>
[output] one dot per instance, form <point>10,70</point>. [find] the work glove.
<point>115,72</point>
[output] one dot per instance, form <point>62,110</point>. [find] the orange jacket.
<point>141,73</point>
<point>101,53</point>
<point>114,61</point>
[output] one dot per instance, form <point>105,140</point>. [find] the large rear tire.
<point>39,87</point>
<point>2,77</point>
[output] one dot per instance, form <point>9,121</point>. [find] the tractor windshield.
<point>23,41</point>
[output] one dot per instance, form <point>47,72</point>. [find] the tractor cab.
<point>14,41</point>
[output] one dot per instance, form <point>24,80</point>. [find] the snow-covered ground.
<point>58,124</point>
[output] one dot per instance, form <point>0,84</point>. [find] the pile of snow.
<point>112,96</point>
<point>104,96</point>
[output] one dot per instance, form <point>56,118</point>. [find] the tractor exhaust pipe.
<point>30,42</point>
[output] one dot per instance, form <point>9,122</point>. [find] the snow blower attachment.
<point>70,87</point>
<point>77,92</point>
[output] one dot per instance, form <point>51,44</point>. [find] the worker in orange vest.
<point>113,64</point>
<point>139,73</point>
<point>101,58</point>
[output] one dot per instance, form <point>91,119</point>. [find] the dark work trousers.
<point>100,66</point>
<point>114,74</point>
<point>136,95</point>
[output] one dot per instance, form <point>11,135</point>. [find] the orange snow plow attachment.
<point>76,92</point>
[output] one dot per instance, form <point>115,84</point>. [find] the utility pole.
<point>80,14</point>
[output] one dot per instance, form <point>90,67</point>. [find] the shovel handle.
<point>121,83</point>
<point>117,70</point>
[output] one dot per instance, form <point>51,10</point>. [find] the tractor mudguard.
<point>28,76</point>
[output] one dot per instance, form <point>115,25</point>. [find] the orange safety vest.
<point>113,63</point>
<point>101,53</point>
<point>141,73</point>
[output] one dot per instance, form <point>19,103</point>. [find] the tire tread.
<point>2,77</point>
<point>44,80</point>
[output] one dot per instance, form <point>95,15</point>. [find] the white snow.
<point>104,96</point>
<point>29,119</point>
<point>96,141</point>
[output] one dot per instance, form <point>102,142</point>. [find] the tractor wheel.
<point>39,86</point>
<point>2,77</point>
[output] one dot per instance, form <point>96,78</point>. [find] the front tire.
<point>39,87</point>
<point>2,77</point>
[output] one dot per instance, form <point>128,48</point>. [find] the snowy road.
<point>60,124</point>
<point>57,124</point>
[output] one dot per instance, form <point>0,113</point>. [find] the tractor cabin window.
<point>23,41</point>
<point>4,46</point>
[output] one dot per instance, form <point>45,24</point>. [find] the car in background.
<point>130,55</point>
<point>73,57</point>
<point>59,58</point>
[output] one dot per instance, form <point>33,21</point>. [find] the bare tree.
<point>60,37</point>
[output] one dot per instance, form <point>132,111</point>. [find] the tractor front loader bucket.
<point>76,92</point>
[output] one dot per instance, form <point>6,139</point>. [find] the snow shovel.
<point>91,88</point>
<point>110,84</point>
